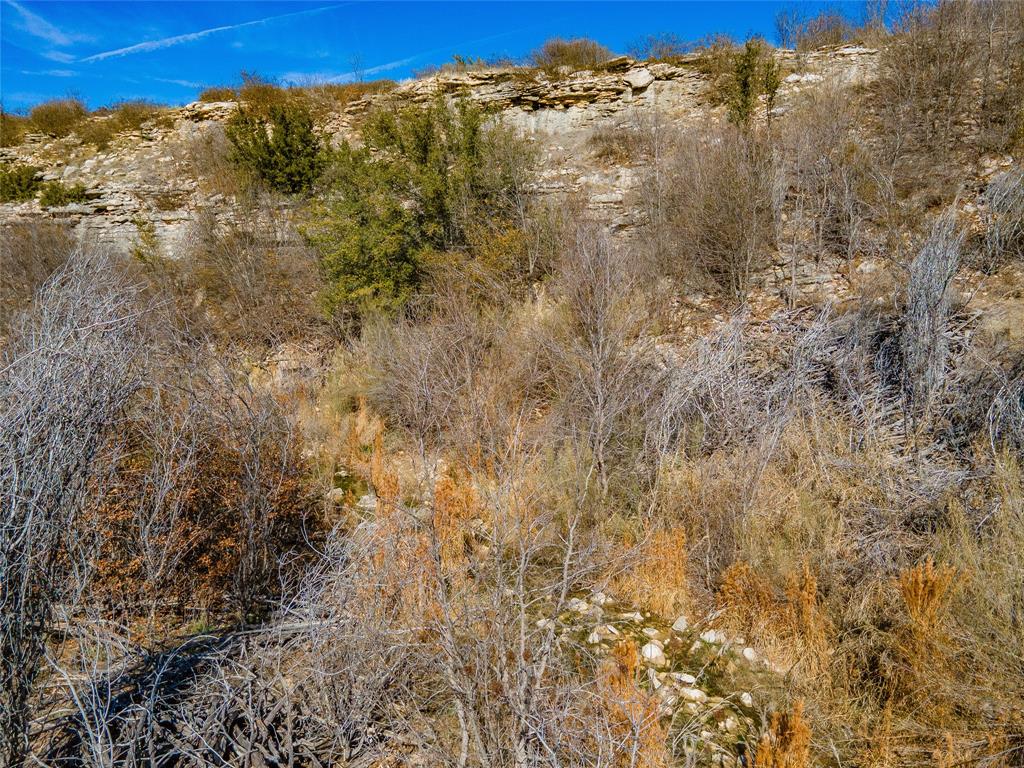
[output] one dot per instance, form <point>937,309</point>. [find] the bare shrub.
<point>663,47</point>
<point>923,339</point>
<point>714,224</point>
<point>1003,218</point>
<point>259,282</point>
<point>799,32</point>
<point>67,375</point>
<point>421,374</point>
<point>598,353</point>
<point>30,253</point>
<point>946,77</point>
<point>833,190</point>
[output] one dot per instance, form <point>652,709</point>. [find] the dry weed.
<point>787,742</point>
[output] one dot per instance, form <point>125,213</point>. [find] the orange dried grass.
<point>925,589</point>
<point>787,742</point>
<point>638,736</point>
<point>657,578</point>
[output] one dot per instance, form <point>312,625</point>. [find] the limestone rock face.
<point>151,179</point>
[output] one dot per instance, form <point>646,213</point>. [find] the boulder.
<point>653,654</point>
<point>638,79</point>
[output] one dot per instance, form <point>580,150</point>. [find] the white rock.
<point>681,624</point>
<point>653,654</point>
<point>600,598</point>
<point>746,699</point>
<point>749,654</point>
<point>631,617</point>
<point>577,606</point>
<point>695,695</point>
<point>544,623</point>
<point>651,632</point>
<point>684,677</point>
<point>594,638</point>
<point>638,79</point>
<point>712,636</point>
<point>729,725</point>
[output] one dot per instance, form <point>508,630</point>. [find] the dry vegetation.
<point>208,564</point>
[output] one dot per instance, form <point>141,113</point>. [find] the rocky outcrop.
<point>151,179</point>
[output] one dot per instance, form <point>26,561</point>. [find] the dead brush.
<point>383,477</point>
<point>787,742</point>
<point>456,506</point>
<point>636,737</point>
<point>924,588</point>
<point>657,577</point>
<point>793,625</point>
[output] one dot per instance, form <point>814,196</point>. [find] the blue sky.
<point>104,52</point>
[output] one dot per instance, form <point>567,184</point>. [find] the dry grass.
<point>218,93</point>
<point>558,55</point>
<point>924,590</point>
<point>58,117</point>
<point>656,576</point>
<point>787,742</point>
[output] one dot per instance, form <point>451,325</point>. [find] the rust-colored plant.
<point>638,738</point>
<point>657,579</point>
<point>925,588</point>
<point>745,597</point>
<point>787,742</point>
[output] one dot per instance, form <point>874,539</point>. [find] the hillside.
<point>628,413</point>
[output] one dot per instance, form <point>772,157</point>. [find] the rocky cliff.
<point>151,179</point>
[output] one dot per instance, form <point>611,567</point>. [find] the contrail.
<point>167,42</point>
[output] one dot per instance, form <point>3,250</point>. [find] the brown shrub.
<point>456,505</point>
<point>657,576</point>
<point>30,253</point>
<point>58,117</point>
<point>258,283</point>
<point>924,590</point>
<point>259,94</point>
<point>209,496</point>
<point>573,55</point>
<point>13,128</point>
<point>712,210</point>
<point>218,93</point>
<point>787,742</point>
<point>616,145</point>
<point>636,737</point>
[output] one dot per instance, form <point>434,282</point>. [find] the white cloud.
<point>304,78</point>
<point>59,56</point>
<point>167,42</point>
<point>182,83</point>
<point>51,72</point>
<point>39,27</point>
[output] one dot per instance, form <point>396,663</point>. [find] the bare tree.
<point>714,223</point>
<point>68,373</point>
<point>600,354</point>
